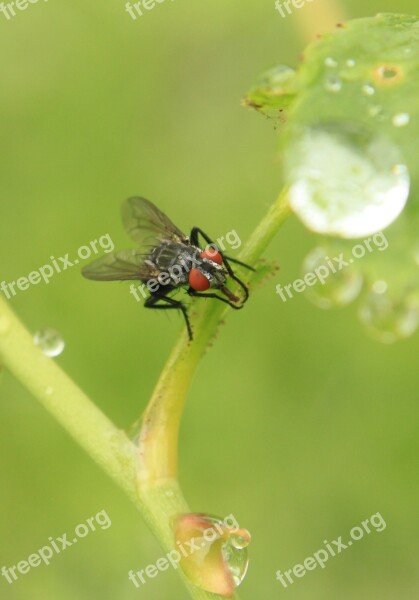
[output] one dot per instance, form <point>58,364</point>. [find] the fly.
<point>166,260</point>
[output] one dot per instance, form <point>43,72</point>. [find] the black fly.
<point>166,260</point>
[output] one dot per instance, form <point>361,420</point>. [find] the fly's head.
<point>210,273</point>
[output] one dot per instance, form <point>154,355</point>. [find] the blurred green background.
<point>297,423</point>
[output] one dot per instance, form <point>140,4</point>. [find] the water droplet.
<point>330,62</point>
<point>241,541</point>
<point>368,89</point>
<point>401,119</point>
<point>218,563</point>
<point>277,77</point>
<point>333,84</point>
<point>49,390</point>
<point>350,63</point>
<point>390,316</point>
<point>342,180</point>
<point>4,325</point>
<point>338,288</point>
<point>50,342</point>
<point>379,287</point>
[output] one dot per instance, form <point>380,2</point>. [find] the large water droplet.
<point>50,342</point>
<point>343,180</point>
<point>330,289</point>
<point>389,315</point>
<point>219,559</point>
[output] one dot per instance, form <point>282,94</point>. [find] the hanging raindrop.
<point>219,561</point>
<point>344,181</point>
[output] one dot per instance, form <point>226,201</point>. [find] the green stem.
<point>161,421</point>
<point>147,474</point>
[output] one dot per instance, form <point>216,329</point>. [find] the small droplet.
<point>338,288</point>
<point>368,90</point>
<point>330,62</point>
<point>390,316</point>
<point>333,84</point>
<point>401,119</point>
<point>241,541</point>
<point>49,390</point>
<point>350,63</point>
<point>379,287</point>
<point>50,342</point>
<point>342,179</point>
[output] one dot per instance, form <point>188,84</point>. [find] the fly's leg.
<point>238,262</point>
<point>152,301</point>
<point>192,292</point>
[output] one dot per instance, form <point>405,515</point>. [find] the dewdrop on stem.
<point>50,342</point>
<point>213,553</point>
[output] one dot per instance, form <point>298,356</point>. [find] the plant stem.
<point>92,430</point>
<point>161,421</point>
<point>147,474</point>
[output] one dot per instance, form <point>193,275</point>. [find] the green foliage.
<point>349,149</point>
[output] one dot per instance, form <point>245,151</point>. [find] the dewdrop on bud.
<point>213,552</point>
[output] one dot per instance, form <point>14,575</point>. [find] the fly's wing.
<point>121,266</point>
<point>147,225</point>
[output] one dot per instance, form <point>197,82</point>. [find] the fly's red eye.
<point>198,281</point>
<point>212,255</point>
